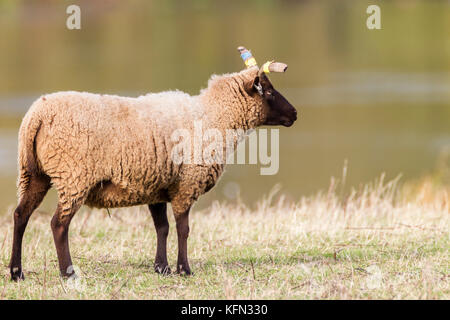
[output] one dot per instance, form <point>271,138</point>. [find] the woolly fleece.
<point>112,151</point>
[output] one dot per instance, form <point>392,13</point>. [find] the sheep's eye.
<point>269,95</point>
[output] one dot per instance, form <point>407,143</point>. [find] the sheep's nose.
<point>295,114</point>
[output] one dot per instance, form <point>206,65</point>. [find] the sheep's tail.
<point>27,159</point>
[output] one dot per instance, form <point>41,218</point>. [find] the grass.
<point>377,242</point>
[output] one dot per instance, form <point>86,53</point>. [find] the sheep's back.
<point>87,140</point>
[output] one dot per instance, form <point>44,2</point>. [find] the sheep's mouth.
<point>287,123</point>
<point>281,121</point>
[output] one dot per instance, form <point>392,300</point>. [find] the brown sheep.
<point>108,151</point>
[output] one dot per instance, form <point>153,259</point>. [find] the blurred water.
<point>371,88</point>
<point>379,99</point>
<point>8,152</point>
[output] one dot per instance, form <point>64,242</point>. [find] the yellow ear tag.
<point>266,66</point>
<point>250,62</point>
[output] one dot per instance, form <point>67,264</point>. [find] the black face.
<point>280,112</point>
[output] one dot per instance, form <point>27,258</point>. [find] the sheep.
<point>109,151</point>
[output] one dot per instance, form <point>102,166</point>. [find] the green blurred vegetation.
<point>379,98</point>
<point>155,45</point>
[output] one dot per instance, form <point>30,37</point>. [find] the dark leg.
<point>30,200</point>
<point>159,215</point>
<point>60,228</point>
<point>182,220</point>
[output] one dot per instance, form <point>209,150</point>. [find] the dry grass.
<point>376,243</point>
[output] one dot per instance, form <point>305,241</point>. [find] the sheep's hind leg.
<point>182,220</point>
<point>159,215</point>
<point>60,228</point>
<point>30,200</point>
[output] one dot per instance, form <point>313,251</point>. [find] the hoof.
<point>184,271</point>
<point>162,269</point>
<point>17,274</point>
<point>69,276</point>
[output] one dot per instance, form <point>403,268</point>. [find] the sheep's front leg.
<point>159,215</point>
<point>182,220</point>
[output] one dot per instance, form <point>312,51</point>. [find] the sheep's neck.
<point>232,111</point>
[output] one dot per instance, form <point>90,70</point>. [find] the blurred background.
<point>379,99</point>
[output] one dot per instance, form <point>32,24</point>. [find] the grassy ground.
<point>376,243</point>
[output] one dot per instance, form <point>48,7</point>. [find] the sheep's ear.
<point>253,86</point>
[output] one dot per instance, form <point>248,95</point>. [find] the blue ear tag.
<point>247,56</point>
